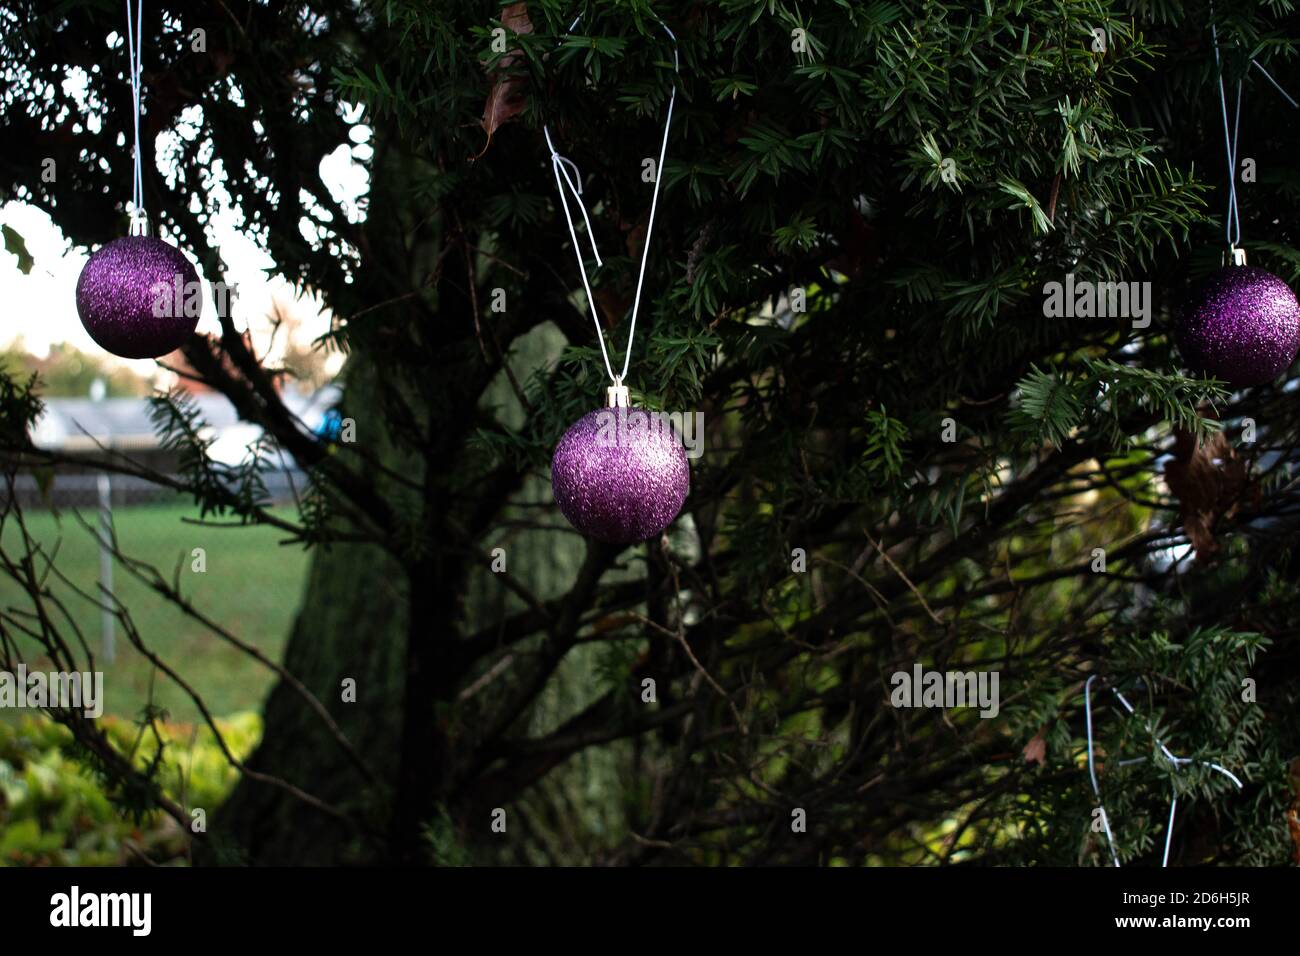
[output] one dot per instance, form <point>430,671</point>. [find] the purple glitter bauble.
<point>138,297</point>
<point>620,475</point>
<point>1242,325</point>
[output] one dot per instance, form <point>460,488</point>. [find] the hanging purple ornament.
<point>1242,325</point>
<point>139,297</point>
<point>620,475</point>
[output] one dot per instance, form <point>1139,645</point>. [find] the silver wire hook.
<point>1175,761</point>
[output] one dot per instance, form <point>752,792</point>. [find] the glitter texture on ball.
<point>1242,325</point>
<point>620,475</point>
<point>138,297</point>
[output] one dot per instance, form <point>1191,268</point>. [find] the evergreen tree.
<point>907,461</point>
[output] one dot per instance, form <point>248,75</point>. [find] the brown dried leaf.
<point>1036,750</point>
<point>859,244</point>
<point>1210,481</point>
<point>1293,824</point>
<point>612,306</point>
<point>1293,812</point>
<point>612,622</point>
<point>634,241</point>
<point>507,98</point>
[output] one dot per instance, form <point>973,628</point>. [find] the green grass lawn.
<point>252,587</point>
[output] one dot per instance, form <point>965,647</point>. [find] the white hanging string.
<point>1232,226</point>
<point>135,44</point>
<point>561,167</point>
<point>1105,822</point>
<point>1175,761</point>
<point>1276,85</point>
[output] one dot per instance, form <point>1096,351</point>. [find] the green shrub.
<point>54,813</point>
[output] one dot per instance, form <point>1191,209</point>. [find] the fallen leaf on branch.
<point>613,306</point>
<point>1036,750</point>
<point>1210,481</point>
<point>507,98</point>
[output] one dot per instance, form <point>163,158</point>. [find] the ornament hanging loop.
<point>1232,221</point>
<point>135,54</point>
<point>562,167</point>
<point>1235,256</point>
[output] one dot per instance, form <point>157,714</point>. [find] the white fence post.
<point>106,622</point>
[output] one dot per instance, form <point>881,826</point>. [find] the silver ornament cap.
<point>616,396</point>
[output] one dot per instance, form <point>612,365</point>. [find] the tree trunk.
<point>351,625</point>
<point>361,616</point>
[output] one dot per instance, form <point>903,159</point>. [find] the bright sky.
<point>40,308</point>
